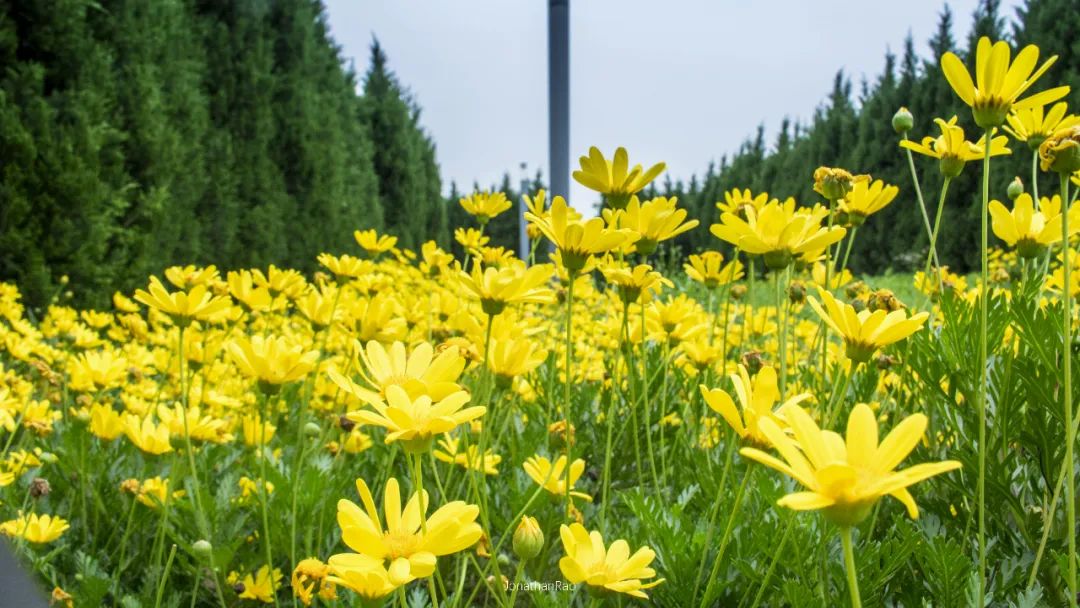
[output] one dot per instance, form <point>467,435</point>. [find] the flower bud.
<point>796,292</point>
<point>312,430</point>
<point>1060,152</point>
<point>202,549</point>
<point>753,360</point>
<point>39,487</point>
<point>1015,189</point>
<point>528,538</point>
<point>902,121</point>
<point>48,458</point>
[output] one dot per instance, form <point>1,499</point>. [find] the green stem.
<point>164,577</point>
<point>1069,465</point>
<point>715,511</point>
<point>781,332</point>
<point>204,528</point>
<point>1048,515</point>
<point>984,303</point>
<point>932,255</point>
<point>773,562</point>
<point>1035,178</point>
<point>264,497</point>
<point>123,548</point>
<point>726,537</point>
<point>849,565</point>
<point>664,412</point>
<point>609,420</point>
<point>837,396</point>
<point>922,202</point>
<point>517,581</point>
<point>847,251</point>
<point>567,434</point>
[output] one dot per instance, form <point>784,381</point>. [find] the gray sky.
<point>479,70</point>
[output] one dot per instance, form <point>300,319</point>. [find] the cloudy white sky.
<point>681,81</point>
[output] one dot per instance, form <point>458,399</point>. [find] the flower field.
<point>753,426</point>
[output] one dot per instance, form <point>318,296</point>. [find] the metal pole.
<point>523,233</point>
<point>17,585</point>
<point>559,97</point>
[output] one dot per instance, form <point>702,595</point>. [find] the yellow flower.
<point>779,232</point>
<point>183,307</point>
<point>262,586</point>
<point>864,332</point>
<point>253,425</point>
<point>673,321</point>
<point>346,266</point>
<point>35,528</point>
<point>318,306</point>
<point>410,550</point>
<point>61,597</point>
<point>553,477</point>
<point>147,436</point>
<point>866,199</point>
<point>373,243</point>
<point>1061,151</point>
<point>698,354</point>
<point>433,259</point>
<point>153,491</point>
<point>105,422</point>
<point>272,361</point>
<point>416,421</point>
<point>577,240</point>
<point>614,179</point>
<point>96,370</point>
<point>1030,231</point>
<point>485,205</point>
<point>304,578</point>
<point>360,573</point>
<point>186,277</point>
<point>251,298</point>
<point>756,398</point>
<point>513,284</point>
<point>1056,280</point>
<point>998,85</point>
<point>834,183</point>
<point>632,283</point>
<point>738,201</point>
<point>250,487</point>
<point>511,357</point>
<point>846,478</point>
<point>952,150</point>
<point>419,372</point>
<point>469,458</point>
<point>1033,125</point>
<point>471,238</point>
<point>612,568</point>
<point>709,270</point>
<point>536,205</point>
<point>652,222</point>
<point>280,282</point>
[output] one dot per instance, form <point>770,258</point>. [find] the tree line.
<point>853,130</point>
<point>135,135</point>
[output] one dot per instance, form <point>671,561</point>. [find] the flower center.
<point>400,543</point>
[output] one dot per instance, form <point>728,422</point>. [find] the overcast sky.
<point>479,70</point>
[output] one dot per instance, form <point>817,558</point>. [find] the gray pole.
<point>18,586</point>
<point>523,233</point>
<point>559,97</point>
